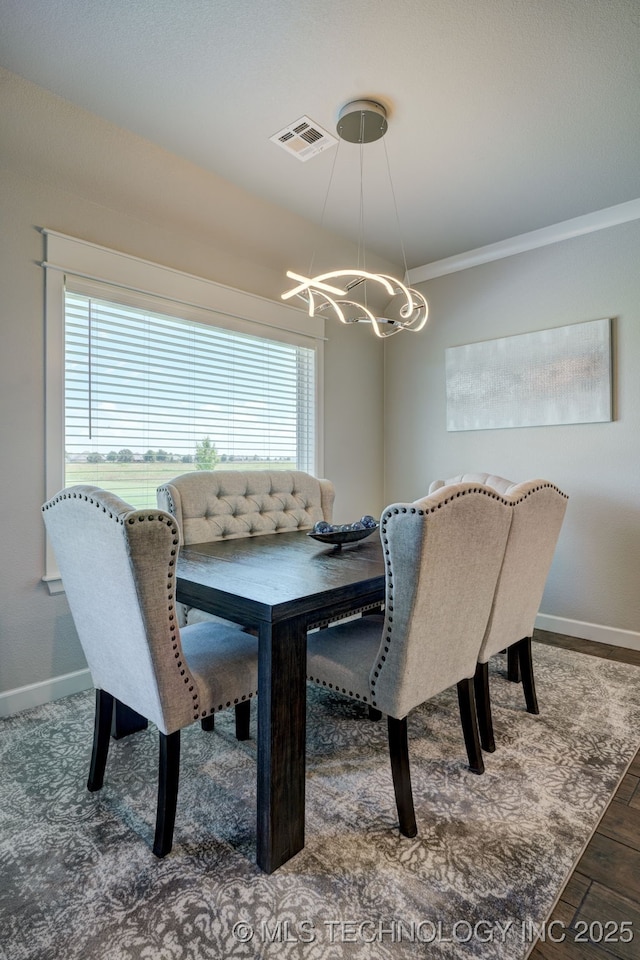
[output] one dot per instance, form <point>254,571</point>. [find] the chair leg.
<point>467,704</point>
<point>243,719</point>
<point>526,669</point>
<point>101,735</point>
<point>168,775</point>
<point>513,667</point>
<point>399,754</point>
<point>126,721</point>
<point>483,707</point>
<point>374,714</point>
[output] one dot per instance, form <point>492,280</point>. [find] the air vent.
<point>304,139</point>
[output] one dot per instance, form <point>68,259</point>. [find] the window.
<point>151,372</point>
<point>149,395</point>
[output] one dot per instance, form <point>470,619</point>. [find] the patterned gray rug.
<point>79,882</point>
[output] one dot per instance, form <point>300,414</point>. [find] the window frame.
<point>213,303</point>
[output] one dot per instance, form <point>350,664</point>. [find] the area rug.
<point>78,880</point>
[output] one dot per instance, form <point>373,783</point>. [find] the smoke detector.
<point>304,139</point>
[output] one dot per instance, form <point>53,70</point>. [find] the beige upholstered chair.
<point>226,504</point>
<point>488,479</point>
<point>538,511</point>
<point>118,567</point>
<point>443,557</point>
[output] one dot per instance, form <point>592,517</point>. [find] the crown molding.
<point>566,230</point>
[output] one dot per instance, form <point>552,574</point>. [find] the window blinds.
<point>148,395</point>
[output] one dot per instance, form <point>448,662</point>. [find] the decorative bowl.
<point>338,537</point>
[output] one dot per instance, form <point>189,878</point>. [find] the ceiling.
<point>504,115</point>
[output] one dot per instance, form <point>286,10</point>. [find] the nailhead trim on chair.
<point>330,686</point>
<point>172,506</point>
<point>542,486</point>
<point>383,531</point>
<point>324,623</point>
<point>230,703</point>
<point>171,523</point>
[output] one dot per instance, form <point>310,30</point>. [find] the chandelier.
<point>362,122</point>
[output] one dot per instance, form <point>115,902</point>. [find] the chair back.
<point>538,511</point>
<point>488,479</point>
<point>118,568</point>
<point>227,504</point>
<point>443,556</point>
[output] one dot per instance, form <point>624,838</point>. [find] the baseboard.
<point>35,694</point>
<point>589,631</point>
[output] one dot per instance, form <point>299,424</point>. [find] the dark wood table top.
<point>275,576</point>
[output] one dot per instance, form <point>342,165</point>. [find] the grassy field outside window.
<point>137,482</point>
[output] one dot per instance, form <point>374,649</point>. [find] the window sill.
<point>54,584</point>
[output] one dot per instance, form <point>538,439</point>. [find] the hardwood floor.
<point>598,914</point>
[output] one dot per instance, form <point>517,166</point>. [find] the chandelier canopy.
<point>361,121</point>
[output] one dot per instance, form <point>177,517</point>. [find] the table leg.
<point>281,741</point>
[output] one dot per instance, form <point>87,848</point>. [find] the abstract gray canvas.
<point>561,375</point>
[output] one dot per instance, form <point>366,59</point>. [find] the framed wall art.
<point>560,375</point>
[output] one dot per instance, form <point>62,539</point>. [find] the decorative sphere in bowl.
<point>322,527</point>
<point>369,521</point>
<point>340,533</point>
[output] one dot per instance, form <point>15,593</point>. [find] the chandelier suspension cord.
<point>324,205</point>
<point>361,240</point>
<point>362,258</point>
<point>395,205</point>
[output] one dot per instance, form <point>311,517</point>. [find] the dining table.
<point>282,585</point>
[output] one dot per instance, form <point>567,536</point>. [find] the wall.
<point>595,576</point>
<point>65,169</point>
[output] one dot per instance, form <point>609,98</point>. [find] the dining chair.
<point>500,484</point>
<point>443,554</point>
<point>538,512</point>
<point>118,568</point>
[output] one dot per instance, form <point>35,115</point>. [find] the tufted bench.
<point>228,504</point>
